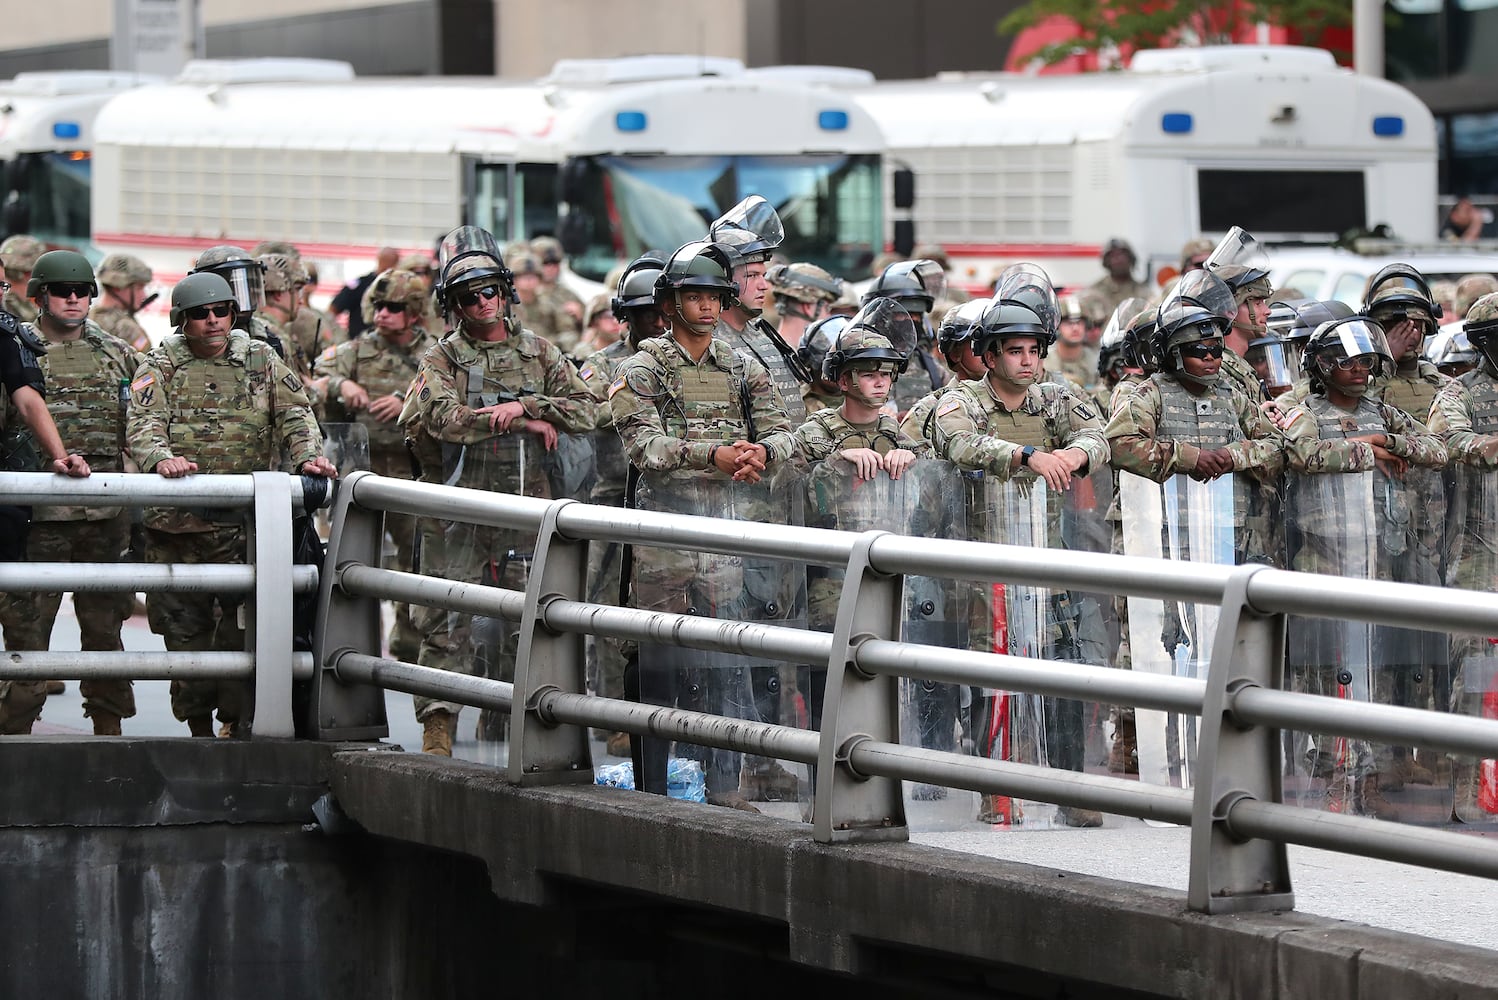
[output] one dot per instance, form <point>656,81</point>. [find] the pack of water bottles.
<point>684,779</point>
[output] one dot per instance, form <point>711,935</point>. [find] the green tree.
<point>1129,25</point>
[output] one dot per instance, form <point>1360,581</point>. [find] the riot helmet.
<point>636,286</point>
<point>1274,361</point>
<point>818,339</point>
<point>1472,287</point>
<point>915,284</point>
<point>1113,355</point>
<point>879,337</point>
<point>1200,307</point>
<point>698,266</point>
<point>1240,261</point>
<point>1452,352</point>
<point>750,231</point>
<point>1399,292</point>
<point>1340,343</point>
<point>1024,305</point>
<point>1481,328</point>
<point>960,323</point>
<point>244,274</point>
<point>470,263</point>
<point>804,283</point>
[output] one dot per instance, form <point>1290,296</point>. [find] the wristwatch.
<point>1024,455</point>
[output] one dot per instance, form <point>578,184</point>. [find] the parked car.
<point>1335,273</point>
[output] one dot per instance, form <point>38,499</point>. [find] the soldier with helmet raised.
<point>1241,263</point>
<point>368,378</point>
<point>122,283</point>
<point>496,396</point>
<point>211,399</point>
<point>917,285</point>
<point>86,371</point>
<point>705,428</point>
<point>18,255</point>
<point>954,338</point>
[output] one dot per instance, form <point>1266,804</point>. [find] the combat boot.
<point>1464,776</point>
<point>1411,771</point>
<point>1123,755</point>
<point>105,723</point>
<point>200,725</point>
<point>1372,802</point>
<point>999,809</point>
<point>730,800</point>
<point>767,781</point>
<point>437,732</point>
<point>617,745</point>
<point>1077,816</point>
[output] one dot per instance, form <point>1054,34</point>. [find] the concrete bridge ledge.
<point>878,910</point>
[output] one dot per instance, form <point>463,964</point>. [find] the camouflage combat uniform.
<point>235,413</point>
<point>1081,372</point>
<point>814,400</point>
<point>384,369</point>
<point>85,384</point>
<point>1107,293</point>
<point>566,326</point>
<point>671,412</point>
<point>122,324</point>
<point>18,305</point>
<point>456,377</point>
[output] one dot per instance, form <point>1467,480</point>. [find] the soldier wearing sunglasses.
<point>211,399</point>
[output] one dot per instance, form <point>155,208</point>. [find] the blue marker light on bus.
<point>630,121</point>
<point>1175,122</point>
<point>66,130</point>
<point>1388,125</point>
<point>832,120</point>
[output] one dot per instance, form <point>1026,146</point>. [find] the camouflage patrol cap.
<point>120,270</point>
<point>282,273</point>
<point>804,282</point>
<point>598,305</point>
<point>267,247</point>
<point>1472,287</point>
<point>398,285</point>
<point>19,252</point>
<point>520,260</point>
<point>548,249</point>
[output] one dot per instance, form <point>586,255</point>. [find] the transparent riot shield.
<point>1471,686</point>
<point>1334,529</point>
<point>927,501</point>
<point>346,446</point>
<point>1180,519</point>
<point>1022,620</point>
<point>1085,527</point>
<point>727,587</point>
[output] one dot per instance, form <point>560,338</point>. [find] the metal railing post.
<point>859,706</point>
<point>542,752</point>
<point>268,613</point>
<point>338,710</point>
<point>1237,762</point>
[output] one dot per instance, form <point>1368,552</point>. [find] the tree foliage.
<point>1129,25</point>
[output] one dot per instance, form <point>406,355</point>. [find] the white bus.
<point>1276,139</point>
<point>46,138</point>
<point>612,156</point>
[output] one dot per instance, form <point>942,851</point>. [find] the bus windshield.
<point>829,204</point>
<point>54,197</point>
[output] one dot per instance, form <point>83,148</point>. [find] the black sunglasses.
<point>472,296</point>
<point>388,306</point>
<point>71,289</point>
<point>1202,351</point>
<point>219,309</point>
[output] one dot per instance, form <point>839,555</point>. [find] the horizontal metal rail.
<point>94,578</point>
<point>36,665</point>
<point>133,489</point>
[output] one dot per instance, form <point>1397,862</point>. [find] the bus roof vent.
<point>219,71</point>
<point>75,81</point>
<point>1293,58</point>
<point>639,69</point>
<point>819,76</point>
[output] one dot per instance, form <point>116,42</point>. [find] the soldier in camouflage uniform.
<point>801,294</point>
<point>496,396</point>
<point>536,312</point>
<point>1016,429</point>
<point>86,371</point>
<point>283,279</point>
<point>633,305</point>
<point>1465,417</point>
<point>210,399</point>
<point>917,285</point>
<point>695,417</point>
<point>368,378</point>
<point>1072,358</point>
<point>1472,287</point>
<point>1118,260</point>
<point>122,280</point>
<point>954,338</point>
<point>816,340</point>
<point>18,255</point>
<point>1401,302</point>
<point>1349,453</point>
<point>560,301</point>
<point>1239,262</point>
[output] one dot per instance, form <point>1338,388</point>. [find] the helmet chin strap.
<point>1254,330</point>
<point>66,324</point>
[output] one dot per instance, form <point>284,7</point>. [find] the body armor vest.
<point>1391,504</point>
<point>1412,392</point>
<point>1015,426</point>
<point>1206,421</point>
<point>485,377</point>
<point>755,340</point>
<point>708,404</point>
<point>608,448</point>
<point>221,409</point>
<point>1484,393</point>
<point>382,369</point>
<point>84,379</point>
<point>883,436</point>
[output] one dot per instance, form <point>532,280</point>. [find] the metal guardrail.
<point>1239,824</point>
<point>268,579</point>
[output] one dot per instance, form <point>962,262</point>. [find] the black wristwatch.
<point>1024,455</point>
